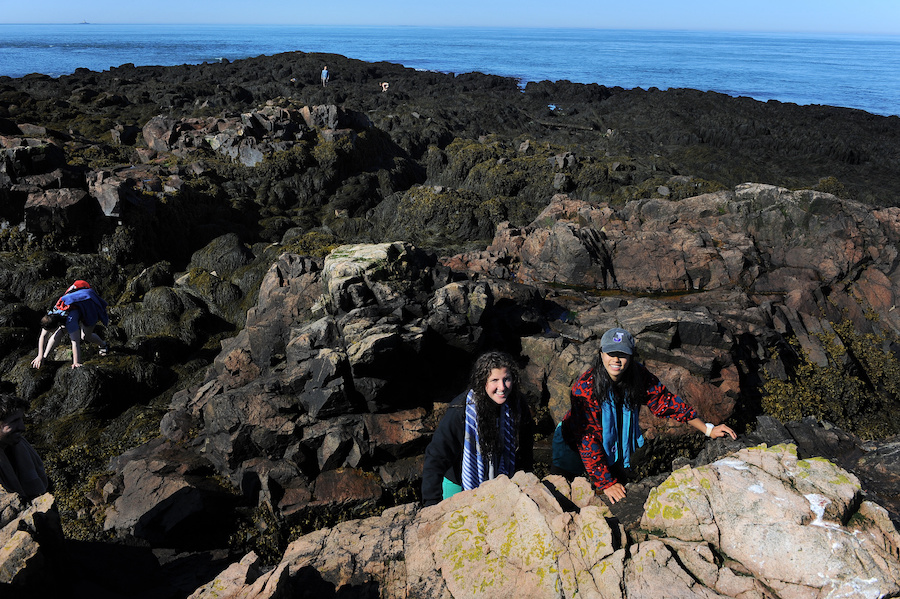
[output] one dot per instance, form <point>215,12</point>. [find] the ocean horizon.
<point>846,70</point>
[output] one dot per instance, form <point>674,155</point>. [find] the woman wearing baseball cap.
<point>602,423</point>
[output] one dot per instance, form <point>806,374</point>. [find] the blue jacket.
<point>85,307</point>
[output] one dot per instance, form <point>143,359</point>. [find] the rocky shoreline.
<point>300,277</point>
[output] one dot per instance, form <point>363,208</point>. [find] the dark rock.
<point>159,133</point>
<point>124,135</point>
<point>61,213</point>
<point>167,499</point>
<point>341,488</point>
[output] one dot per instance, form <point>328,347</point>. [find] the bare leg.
<point>88,334</point>
<point>76,353</point>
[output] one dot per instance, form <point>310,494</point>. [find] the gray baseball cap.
<point>617,340</point>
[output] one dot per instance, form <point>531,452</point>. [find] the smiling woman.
<point>485,432</point>
<point>601,435</point>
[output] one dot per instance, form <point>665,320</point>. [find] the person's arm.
<point>47,341</point>
<point>596,464</point>
<point>585,427</point>
<point>42,345</point>
<point>713,432</point>
<point>665,404</point>
<point>443,452</point>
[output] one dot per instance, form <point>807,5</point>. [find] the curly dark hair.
<point>10,403</point>
<point>488,412</point>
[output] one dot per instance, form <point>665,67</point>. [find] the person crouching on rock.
<point>21,468</point>
<point>486,432</point>
<point>79,310</point>
<point>600,434</point>
<point>53,328</point>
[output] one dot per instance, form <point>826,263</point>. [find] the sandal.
<point>104,349</point>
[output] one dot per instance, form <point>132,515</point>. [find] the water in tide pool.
<point>854,71</point>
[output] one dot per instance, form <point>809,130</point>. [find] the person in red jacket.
<point>602,423</point>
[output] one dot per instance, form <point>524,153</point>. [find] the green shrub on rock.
<point>438,217</point>
<point>833,186</point>
<point>859,389</point>
<point>312,243</point>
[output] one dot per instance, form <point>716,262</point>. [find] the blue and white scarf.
<point>619,445</point>
<point>473,462</point>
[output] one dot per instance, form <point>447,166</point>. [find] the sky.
<point>819,16</point>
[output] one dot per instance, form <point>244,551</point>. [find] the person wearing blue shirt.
<point>78,311</point>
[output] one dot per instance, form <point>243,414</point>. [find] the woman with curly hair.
<point>600,434</point>
<point>486,432</point>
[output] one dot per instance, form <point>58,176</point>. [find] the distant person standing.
<point>325,76</point>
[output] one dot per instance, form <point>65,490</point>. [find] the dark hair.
<point>488,412</point>
<point>52,321</point>
<point>631,386</point>
<point>10,403</point>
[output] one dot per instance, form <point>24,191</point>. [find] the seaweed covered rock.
<point>440,217</point>
<point>166,325</point>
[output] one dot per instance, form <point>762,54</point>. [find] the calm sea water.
<point>840,70</point>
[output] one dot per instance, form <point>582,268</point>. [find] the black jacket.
<point>443,457</point>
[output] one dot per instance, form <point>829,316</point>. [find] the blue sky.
<point>833,16</point>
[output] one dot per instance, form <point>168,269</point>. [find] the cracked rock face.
<point>29,532</point>
<point>757,523</point>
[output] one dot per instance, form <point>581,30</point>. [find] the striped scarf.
<point>473,462</point>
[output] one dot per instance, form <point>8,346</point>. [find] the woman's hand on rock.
<point>720,431</point>
<point>615,492</point>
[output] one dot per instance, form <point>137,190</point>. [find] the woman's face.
<point>11,428</point>
<point>615,363</point>
<point>499,385</point>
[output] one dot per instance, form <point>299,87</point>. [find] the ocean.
<point>854,71</point>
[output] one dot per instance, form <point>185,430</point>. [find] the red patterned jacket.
<point>584,425</point>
